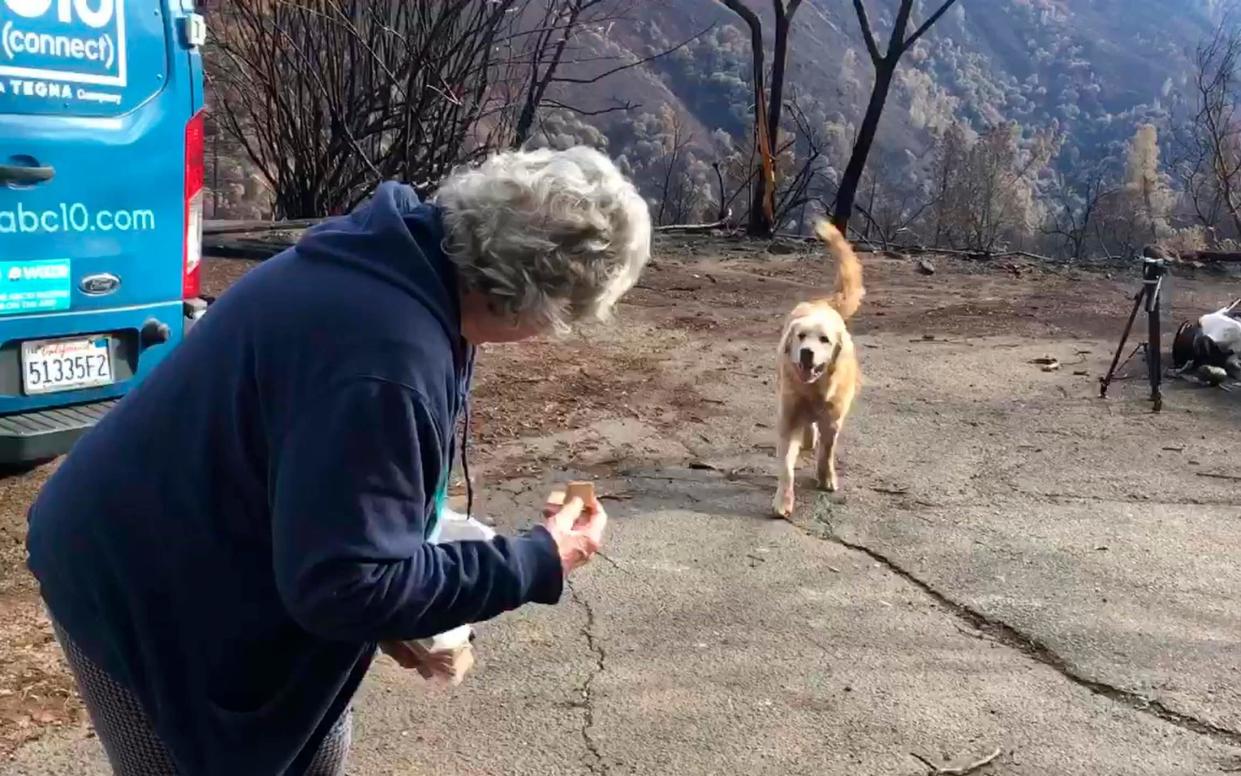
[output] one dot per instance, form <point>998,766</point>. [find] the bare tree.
<point>1074,208</point>
<point>951,150</point>
<point>800,164</point>
<point>1118,225</point>
<point>551,36</point>
<point>892,217</point>
<point>1191,166</point>
<point>539,56</point>
<point>675,142</point>
<point>897,199</point>
<point>885,64</point>
<point>1213,138</point>
<point>991,195</point>
<point>722,210</point>
<point>737,174</point>
<point>767,107</point>
<point>329,97</point>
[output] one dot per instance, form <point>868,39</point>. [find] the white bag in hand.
<point>456,527</point>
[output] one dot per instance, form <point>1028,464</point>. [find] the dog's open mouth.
<point>810,373</point>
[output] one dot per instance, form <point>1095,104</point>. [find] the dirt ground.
<point>679,390</point>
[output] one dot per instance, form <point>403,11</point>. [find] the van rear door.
<point>89,152</point>
<point>97,100</point>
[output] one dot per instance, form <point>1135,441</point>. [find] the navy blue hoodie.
<point>233,539</point>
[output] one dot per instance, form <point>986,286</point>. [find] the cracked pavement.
<point>594,759</point>
<point>1013,563</point>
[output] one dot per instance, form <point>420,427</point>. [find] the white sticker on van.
<point>66,41</point>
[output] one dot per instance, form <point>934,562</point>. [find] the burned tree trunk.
<point>767,108</point>
<point>846,195</point>
<point>779,64</point>
<point>885,65</point>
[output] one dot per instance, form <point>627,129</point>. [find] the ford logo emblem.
<point>99,285</point>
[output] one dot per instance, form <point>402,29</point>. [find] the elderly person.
<point>223,553</point>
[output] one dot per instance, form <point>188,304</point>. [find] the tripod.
<point>1153,273</point>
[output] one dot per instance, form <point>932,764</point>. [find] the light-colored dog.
<point>818,375</point>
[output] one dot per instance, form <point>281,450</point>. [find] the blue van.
<point>101,194</point>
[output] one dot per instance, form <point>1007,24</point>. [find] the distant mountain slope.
<point>1095,68</point>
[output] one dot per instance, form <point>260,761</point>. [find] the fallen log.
<point>241,248</point>
<point>1212,257</point>
<point>695,228</point>
<point>863,245</point>
<point>250,227</point>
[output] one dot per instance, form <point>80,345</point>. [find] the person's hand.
<point>427,664</point>
<point>577,529</point>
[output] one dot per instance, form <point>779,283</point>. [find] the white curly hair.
<point>547,235</point>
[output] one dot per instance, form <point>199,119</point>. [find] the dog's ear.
<point>784,337</point>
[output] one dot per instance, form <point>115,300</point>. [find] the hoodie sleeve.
<point>351,482</point>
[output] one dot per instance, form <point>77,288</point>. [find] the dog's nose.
<point>807,357</point>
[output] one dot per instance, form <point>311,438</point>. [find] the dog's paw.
<point>782,504</point>
<point>829,484</point>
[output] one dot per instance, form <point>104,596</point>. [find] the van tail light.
<point>195,175</point>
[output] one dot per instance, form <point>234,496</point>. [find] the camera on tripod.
<point>1153,267</point>
<point>1154,270</point>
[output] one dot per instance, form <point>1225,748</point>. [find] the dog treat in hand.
<point>583,490</point>
<point>577,489</point>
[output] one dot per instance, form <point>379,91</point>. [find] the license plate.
<point>66,364</point>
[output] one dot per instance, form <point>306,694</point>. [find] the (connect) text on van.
<point>78,41</point>
<point>17,42</point>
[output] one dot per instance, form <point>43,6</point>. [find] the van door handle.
<point>26,176</point>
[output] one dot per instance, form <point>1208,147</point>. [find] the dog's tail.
<point>849,289</point>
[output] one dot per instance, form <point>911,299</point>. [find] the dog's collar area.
<point>831,364</point>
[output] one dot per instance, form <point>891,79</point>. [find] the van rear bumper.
<point>29,437</point>
<point>133,358</point>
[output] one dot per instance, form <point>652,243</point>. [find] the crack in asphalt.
<point>1030,646</point>
<point>1131,500</point>
<point>1056,499</point>
<point>596,765</point>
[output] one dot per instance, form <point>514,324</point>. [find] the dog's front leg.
<point>787,451</point>
<point>826,468</point>
<point>810,436</point>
